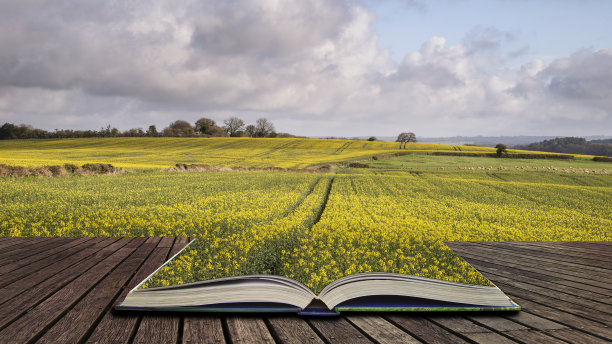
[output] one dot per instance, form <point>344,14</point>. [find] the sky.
<point>314,68</point>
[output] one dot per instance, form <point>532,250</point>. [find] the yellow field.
<point>316,227</point>
<point>146,153</point>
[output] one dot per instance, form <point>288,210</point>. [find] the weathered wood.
<point>71,286</point>
<point>531,336</point>
<point>586,309</point>
<point>26,251</point>
<point>117,327</point>
<point>165,322</point>
<point>593,250</point>
<point>499,266</point>
<point>39,267</point>
<point>551,270</point>
<point>588,272</point>
<point>548,254</point>
<point>178,245</point>
<point>570,320</point>
<point>49,257</point>
<point>32,323</point>
<point>292,330</point>
<point>11,243</point>
<point>575,336</point>
<point>469,329</point>
<point>380,329</point>
<point>512,329</point>
<point>510,275</point>
<point>75,324</point>
<point>552,288</point>
<point>337,330</point>
<point>160,329</point>
<point>424,329</point>
<point>244,329</point>
<point>20,300</point>
<point>202,330</point>
<point>533,321</point>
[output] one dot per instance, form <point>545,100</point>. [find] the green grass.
<point>425,162</point>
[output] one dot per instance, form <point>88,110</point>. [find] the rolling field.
<point>152,153</point>
<point>317,227</point>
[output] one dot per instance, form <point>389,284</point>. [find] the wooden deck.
<point>56,290</point>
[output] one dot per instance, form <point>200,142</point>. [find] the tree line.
<point>203,127</point>
<point>571,145</point>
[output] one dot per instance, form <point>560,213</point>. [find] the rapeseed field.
<point>163,152</point>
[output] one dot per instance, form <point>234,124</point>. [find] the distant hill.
<point>490,141</point>
<point>571,145</point>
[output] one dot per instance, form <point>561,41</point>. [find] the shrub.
<point>71,168</point>
<point>358,165</point>
<point>98,168</point>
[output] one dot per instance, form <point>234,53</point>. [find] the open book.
<point>373,291</point>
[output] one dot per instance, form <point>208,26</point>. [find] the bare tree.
<point>263,127</point>
<point>250,129</point>
<point>233,126</point>
<point>404,138</point>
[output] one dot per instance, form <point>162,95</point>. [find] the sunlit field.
<point>150,153</point>
<point>317,227</point>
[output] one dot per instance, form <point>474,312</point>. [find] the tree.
<point>263,127</point>
<point>8,131</point>
<point>404,138</point>
<point>501,149</point>
<point>233,126</point>
<point>179,128</point>
<point>250,129</point>
<point>372,138</point>
<point>152,131</point>
<point>208,127</point>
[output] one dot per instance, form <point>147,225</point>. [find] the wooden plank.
<point>243,329</point>
<point>292,330</point>
<point>571,294</point>
<point>75,324</point>
<point>178,245</point>
<point>570,320</point>
<point>337,330</point>
<point>512,329</point>
<point>165,322</point>
<point>551,270</point>
<point>46,255</point>
<point>469,329</point>
<point>116,326</point>
<point>575,336</point>
<point>593,250</point>
<point>424,329</point>
<point>516,255</point>
<point>553,255</point>
<point>163,328</point>
<point>42,266</point>
<point>531,336</point>
<point>567,302</point>
<point>29,250</point>
<point>19,301</point>
<point>380,330</point>
<point>202,329</point>
<point>533,321</point>
<point>31,324</point>
<point>492,264</point>
<point>8,244</point>
<point>23,283</point>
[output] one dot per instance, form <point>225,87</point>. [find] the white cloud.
<point>313,65</point>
